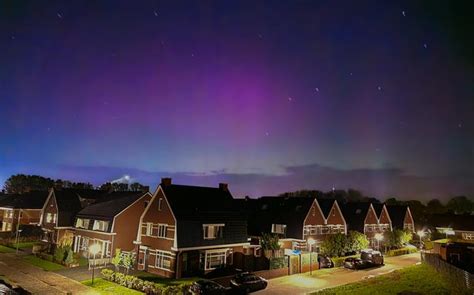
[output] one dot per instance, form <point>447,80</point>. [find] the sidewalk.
<point>36,280</point>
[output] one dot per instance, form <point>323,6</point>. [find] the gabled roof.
<point>326,206</point>
<point>397,215</point>
<point>456,222</point>
<point>269,210</point>
<point>355,214</point>
<point>110,206</point>
<point>68,205</point>
<point>29,200</point>
<point>378,209</point>
<point>193,206</point>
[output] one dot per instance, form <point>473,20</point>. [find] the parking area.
<point>328,278</point>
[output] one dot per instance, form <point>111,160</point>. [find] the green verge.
<point>164,281</point>
<point>104,287</point>
<point>418,279</point>
<point>4,249</point>
<point>24,245</point>
<point>44,264</point>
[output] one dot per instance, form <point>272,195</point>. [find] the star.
<point>425,45</point>
<point>379,88</point>
<point>350,73</point>
<point>260,36</point>
<point>267,133</point>
<point>49,129</point>
<point>460,125</point>
<point>60,16</point>
<point>377,150</point>
<point>403,13</point>
<point>317,89</point>
<point>192,54</point>
<point>155,13</point>
<point>290,98</point>
<point>12,37</point>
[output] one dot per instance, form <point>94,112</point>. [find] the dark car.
<point>208,287</point>
<point>245,283</point>
<point>325,261</point>
<point>368,258</point>
<point>354,263</point>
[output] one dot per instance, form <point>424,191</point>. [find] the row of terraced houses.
<point>182,230</point>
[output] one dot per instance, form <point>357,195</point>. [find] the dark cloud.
<point>382,183</point>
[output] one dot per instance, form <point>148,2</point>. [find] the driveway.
<point>328,278</point>
<point>36,280</point>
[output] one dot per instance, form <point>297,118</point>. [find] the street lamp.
<point>93,249</point>
<point>311,242</point>
<point>378,237</point>
<point>421,234</point>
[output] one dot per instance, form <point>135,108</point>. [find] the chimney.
<point>223,186</point>
<point>165,181</point>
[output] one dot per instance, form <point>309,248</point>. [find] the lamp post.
<point>378,237</point>
<point>93,249</point>
<point>421,234</point>
<point>311,242</point>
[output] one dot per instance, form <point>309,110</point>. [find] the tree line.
<point>22,183</point>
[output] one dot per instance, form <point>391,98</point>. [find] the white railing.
<point>99,262</point>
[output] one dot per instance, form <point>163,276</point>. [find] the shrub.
<point>402,251</point>
<point>108,274</point>
<point>69,259</point>
<point>278,262</point>
<point>59,254</point>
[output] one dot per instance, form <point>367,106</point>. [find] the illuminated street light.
<point>311,242</point>
<point>93,249</point>
<point>421,234</point>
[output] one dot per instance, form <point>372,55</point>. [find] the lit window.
<point>163,260</point>
<point>213,231</point>
<point>278,228</point>
<point>101,225</point>
<point>149,229</point>
<point>82,223</point>
<point>215,258</point>
<point>468,236</point>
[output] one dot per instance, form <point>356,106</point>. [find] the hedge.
<point>138,284</point>
<point>278,262</point>
<point>401,251</point>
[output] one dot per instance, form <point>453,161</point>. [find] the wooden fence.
<point>457,275</point>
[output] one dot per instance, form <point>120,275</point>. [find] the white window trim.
<point>214,226</point>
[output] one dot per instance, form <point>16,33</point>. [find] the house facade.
<point>190,230</point>
<point>401,217</point>
<point>21,209</point>
<point>112,223</point>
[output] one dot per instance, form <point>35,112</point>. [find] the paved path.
<point>328,278</point>
<point>36,280</point>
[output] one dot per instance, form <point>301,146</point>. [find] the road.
<point>36,280</point>
<point>328,278</point>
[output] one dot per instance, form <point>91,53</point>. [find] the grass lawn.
<point>4,249</point>
<point>164,281</point>
<point>108,288</point>
<point>419,279</point>
<point>44,264</point>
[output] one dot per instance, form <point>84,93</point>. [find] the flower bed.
<point>132,282</point>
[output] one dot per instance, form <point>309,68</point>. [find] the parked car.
<point>245,283</point>
<point>325,261</point>
<point>368,258</point>
<point>208,287</point>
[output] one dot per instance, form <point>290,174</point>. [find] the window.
<point>215,258</point>
<point>101,225</point>
<point>163,260</point>
<point>50,218</point>
<point>82,223</point>
<point>160,200</point>
<point>468,236</point>
<point>149,229</point>
<point>162,228</point>
<point>278,228</point>
<point>213,231</point>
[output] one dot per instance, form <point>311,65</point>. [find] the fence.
<point>99,262</point>
<point>459,276</point>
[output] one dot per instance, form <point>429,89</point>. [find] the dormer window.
<point>50,218</point>
<point>160,200</point>
<point>101,225</point>
<point>82,223</point>
<point>278,228</point>
<point>213,231</point>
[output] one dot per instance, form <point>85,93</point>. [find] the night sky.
<point>269,96</point>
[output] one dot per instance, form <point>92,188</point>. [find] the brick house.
<point>112,223</point>
<point>295,220</point>
<point>401,217</point>
<point>385,223</point>
<point>363,218</point>
<point>190,230</point>
<point>21,210</point>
